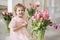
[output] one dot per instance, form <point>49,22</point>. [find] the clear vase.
<point>40,35</point>
<point>7,29</point>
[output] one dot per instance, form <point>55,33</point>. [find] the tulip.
<point>33,18</point>
<point>51,24</point>
<point>41,19</point>
<point>37,4</point>
<point>45,14</point>
<point>32,6</point>
<point>38,15</point>
<point>3,13</point>
<point>35,13</point>
<point>55,26</point>
<point>43,10</point>
<point>7,13</point>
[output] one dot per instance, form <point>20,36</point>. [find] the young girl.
<point>18,26</point>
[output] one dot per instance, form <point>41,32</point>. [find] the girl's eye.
<point>22,10</point>
<point>18,10</point>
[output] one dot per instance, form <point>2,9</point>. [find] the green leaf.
<point>46,22</point>
<point>36,28</point>
<point>38,24</point>
<point>31,11</point>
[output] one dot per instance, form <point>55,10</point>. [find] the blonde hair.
<point>18,5</point>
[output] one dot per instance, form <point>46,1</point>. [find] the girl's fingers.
<point>27,17</point>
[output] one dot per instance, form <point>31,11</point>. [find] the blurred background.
<point>52,6</point>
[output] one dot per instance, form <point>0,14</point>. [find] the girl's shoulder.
<point>14,18</point>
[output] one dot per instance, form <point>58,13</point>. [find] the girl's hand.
<point>20,25</point>
<point>27,17</point>
<point>25,23</point>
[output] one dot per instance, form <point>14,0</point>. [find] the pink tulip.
<point>41,19</point>
<point>41,15</point>
<point>35,13</point>
<point>10,12</point>
<point>55,26</point>
<point>3,13</point>
<point>33,18</point>
<point>37,4</point>
<point>7,13</point>
<point>32,6</point>
<point>38,15</point>
<point>45,14</point>
<point>51,23</point>
<point>43,10</point>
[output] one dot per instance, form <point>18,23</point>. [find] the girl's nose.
<point>20,11</point>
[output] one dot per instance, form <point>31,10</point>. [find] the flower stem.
<point>40,35</point>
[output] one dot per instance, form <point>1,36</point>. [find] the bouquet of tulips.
<point>32,9</point>
<point>7,17</point>
<point>40,20</point>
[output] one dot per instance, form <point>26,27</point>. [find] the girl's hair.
<point>18,5</point>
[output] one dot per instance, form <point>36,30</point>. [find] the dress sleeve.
<point>12,23</point>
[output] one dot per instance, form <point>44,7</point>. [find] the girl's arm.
<point>19,26</point>
<point>16,26</point>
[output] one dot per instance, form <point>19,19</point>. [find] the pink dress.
<point>21,34</point>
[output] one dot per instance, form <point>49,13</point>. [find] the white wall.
<point>53,8</point>
<point>57,13</point>
<point>3,2</point>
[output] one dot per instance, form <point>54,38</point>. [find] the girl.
<point>18,26</point>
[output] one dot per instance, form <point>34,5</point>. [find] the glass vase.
<point>40,35</point>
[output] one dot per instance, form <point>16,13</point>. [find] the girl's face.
<point>20,11</point>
